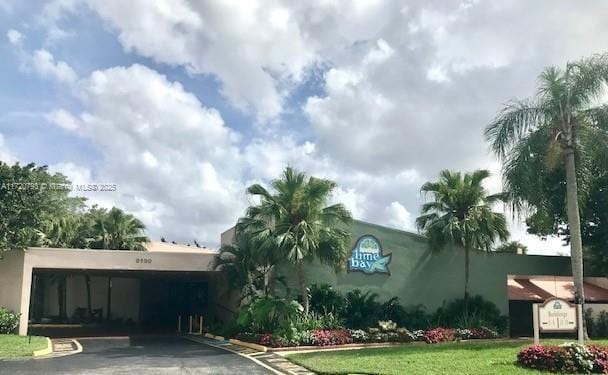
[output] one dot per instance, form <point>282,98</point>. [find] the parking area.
<point>139,355</point>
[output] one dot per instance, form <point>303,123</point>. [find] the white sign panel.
<point>557,315</point>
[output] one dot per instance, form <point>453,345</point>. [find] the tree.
<point>115,230</point>
<point>295,223</point>
<point>245,266</point>
<point>29,196</point>
<point>512,247</point>
<point>460,214</point>
<point>541,138</point>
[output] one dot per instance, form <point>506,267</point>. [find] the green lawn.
<point>19,346</point>
<point>451,358</point>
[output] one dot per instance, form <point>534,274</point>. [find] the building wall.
<point>421,276</point>
<point>11,271</point>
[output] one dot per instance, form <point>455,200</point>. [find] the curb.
<point>260,348</point>
<point>45,351</point>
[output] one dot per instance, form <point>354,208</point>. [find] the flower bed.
<point>567,358</point>
<point>388,333</point>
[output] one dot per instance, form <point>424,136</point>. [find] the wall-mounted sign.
<point>367,256</point>
<point>557,315</point>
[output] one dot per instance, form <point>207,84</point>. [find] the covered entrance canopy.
<point>139,287</point>
<point>524,290</point>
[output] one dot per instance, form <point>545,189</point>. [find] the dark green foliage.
<point>597,326</point>
<point>8,321</point>
<point>268,314</point>
<point>480,313</point>
<point>29,196</point>
<point>411,317</point>
<point>325,299</point>
<point>512,247</point>
<point>361,310</point>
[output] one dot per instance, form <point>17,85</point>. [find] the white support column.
<point>26,289</point>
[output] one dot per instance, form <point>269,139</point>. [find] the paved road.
<point>166,355</point>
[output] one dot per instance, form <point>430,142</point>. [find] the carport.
<point>102,291</point>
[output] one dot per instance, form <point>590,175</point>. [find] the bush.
<point>325,337</point>
<point>313,321</point>
<point>567,358</point>
<point>268,314</point>
<point>475,333</point>
<point>597,327</point>
<point>480,313</point>
<point>8,321</point>
<point>324,299</point>
<point>436,335</point>
<point>361,309</point>
<point>413,317</point>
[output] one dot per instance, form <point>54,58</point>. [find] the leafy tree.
<point>295,223</point>
<point>540,139</point>
<point>513,247</point>
<point>460,214</point>
<point>29,196</point>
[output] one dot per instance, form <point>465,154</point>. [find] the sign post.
<point>556,315</point>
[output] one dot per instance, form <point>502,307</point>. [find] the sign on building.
<point>557,315</point>
<point>367,256</point>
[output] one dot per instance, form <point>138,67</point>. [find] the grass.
<point>19,346</point>
<point>449,358</point>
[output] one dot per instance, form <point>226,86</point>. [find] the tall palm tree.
<point>295,222</point>
<point>563,112</point>
<point>460,214</point>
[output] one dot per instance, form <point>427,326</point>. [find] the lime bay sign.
<point>367,256</point>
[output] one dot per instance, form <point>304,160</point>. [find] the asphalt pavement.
<point>134,356</point>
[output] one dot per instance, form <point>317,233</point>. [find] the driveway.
<point>161,355</point>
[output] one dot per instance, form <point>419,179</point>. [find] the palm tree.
<point>245,266</point>
<point>295,223</point>
<point>460,214</point>
<point>115,230</point>
<point>552,123</point>
<point>512,247</point>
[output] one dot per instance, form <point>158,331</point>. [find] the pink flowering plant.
<point>566,358</point>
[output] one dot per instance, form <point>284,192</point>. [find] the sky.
<point>183,104</point>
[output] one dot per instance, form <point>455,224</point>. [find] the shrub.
<point>597,327</point>
<point>475,333</point>
<point>359,335</point>
<point>8,321</point>
<point>268,314</point>
<point>313,321</point>
<point>567,358</point>
<point>325,337</point>
<point>324,299</point>
<point>361,309</point>
<point>436,335</point>
<point>480,313</point>
<point>413,317</point>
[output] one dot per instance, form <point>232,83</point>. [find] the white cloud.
<point>398,217</point>
<point>14,36</point>
<point>43,62</point>
<point>254,48</point>
<point>63,119</point>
